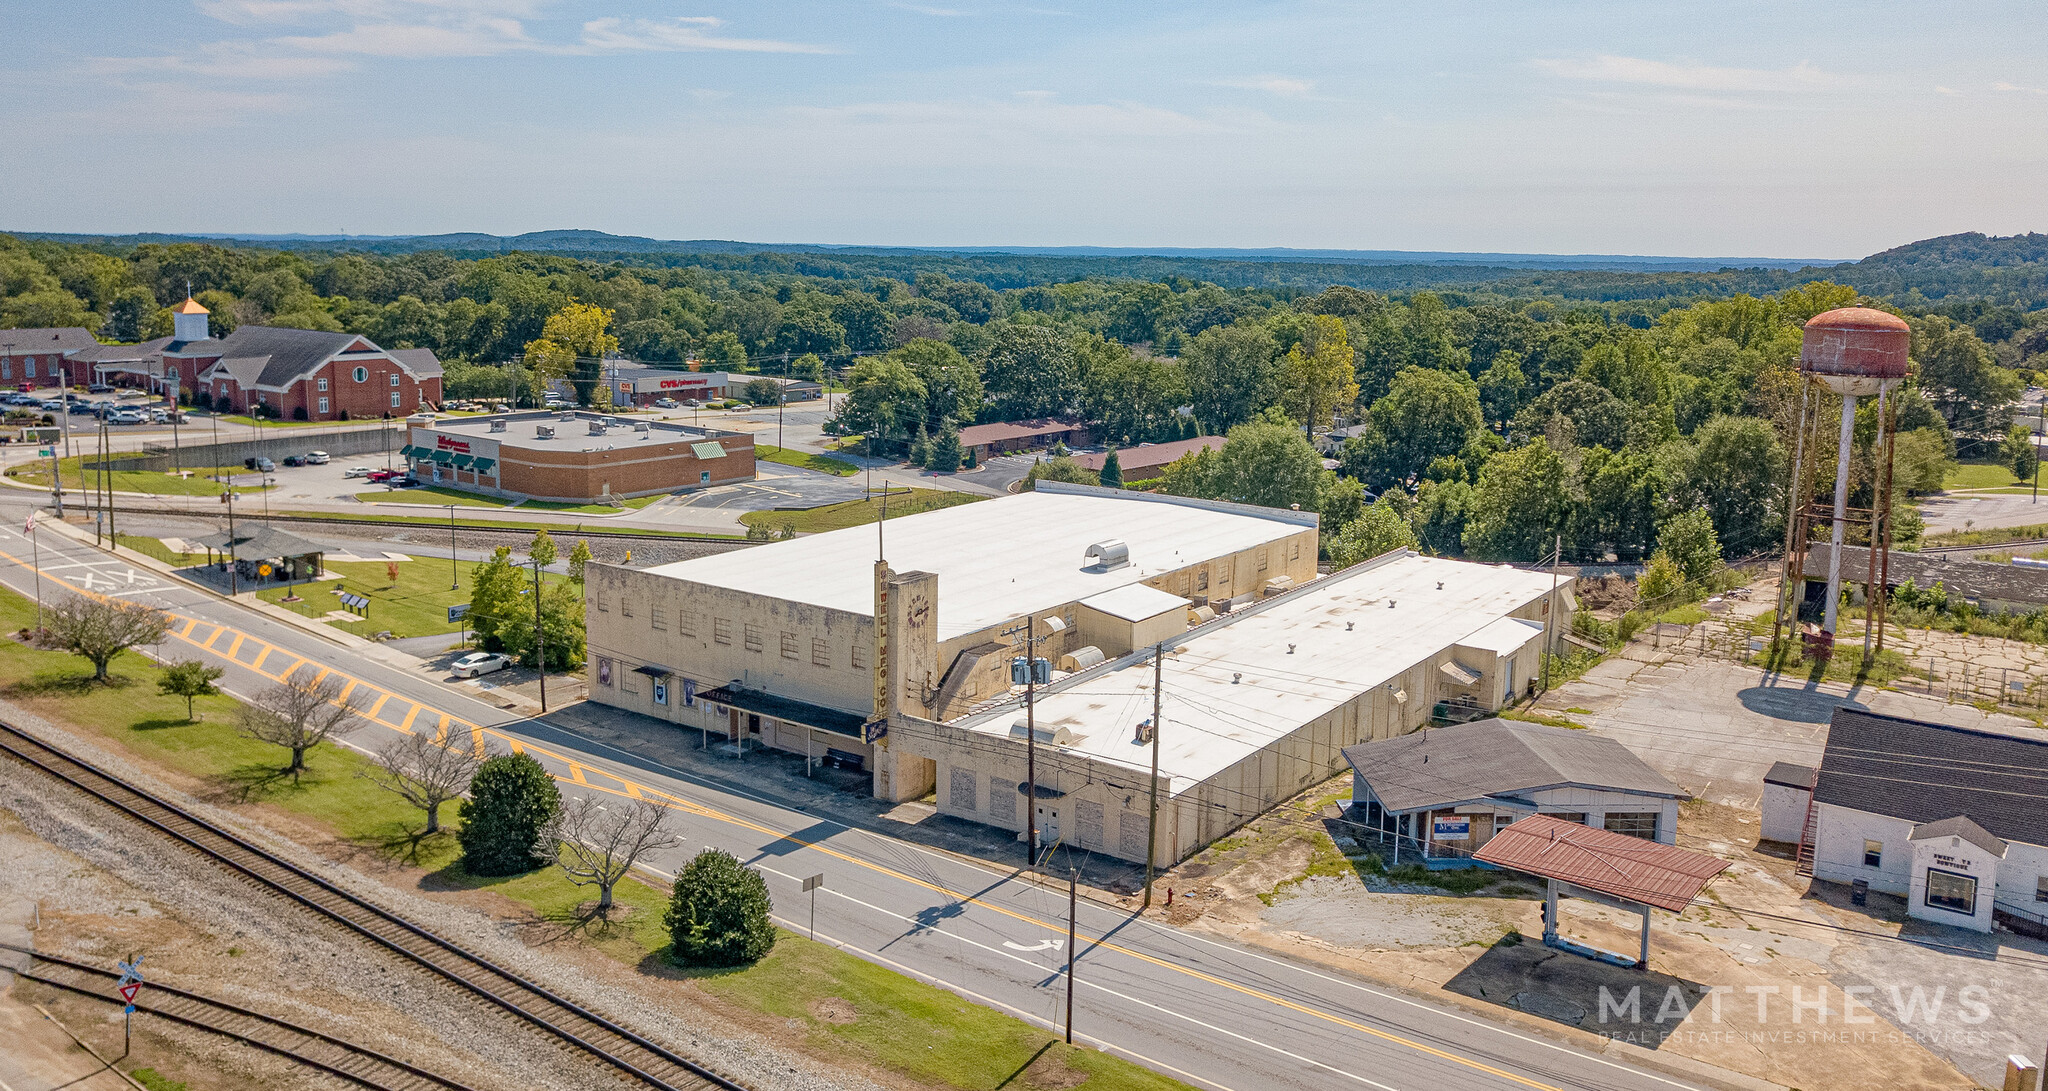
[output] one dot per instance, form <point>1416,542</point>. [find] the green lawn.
<point>154,547</point>
<point>895,1023</point>
<point>253,422</point>
<point>416,605</point>
<point>853,513</point>
<point>1979,475</point>
<point>156,482</point>
<point>1992,536</point>
<point>432,495</point>
<point>634,504</point>
<point>808,460</point>
<point>557,529</point>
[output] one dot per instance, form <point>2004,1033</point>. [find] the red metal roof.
<point>978,434</point>
<point>1150,455</point>
<point>1614,864</point>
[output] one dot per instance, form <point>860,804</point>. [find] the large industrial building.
<point>890,647</point>
<point>575,456</point>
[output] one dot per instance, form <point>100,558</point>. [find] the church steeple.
<point>188,321</point>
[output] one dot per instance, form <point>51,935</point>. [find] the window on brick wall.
<point>1262,560</point>
<point>753,638</point>
<point>625,606</point>
<point>788,644</point>
<point>686,622</point>
<point>860,656</point>
<point>821,652</point>
<point>394,378</point>
<point>323,405</point>
<point>394,399</point>
<point>323,384</point>
<point>721,630</point>
<point>597,600</point>
<point>657,618</point>
<point>361,375</point>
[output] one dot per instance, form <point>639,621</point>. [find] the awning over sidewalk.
<point>788,709</point>
<point>1630,869</point>
<point>259,543</point>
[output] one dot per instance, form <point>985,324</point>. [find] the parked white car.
<point>356,471</point>
<point>318,458</point>
<point>476,663</point>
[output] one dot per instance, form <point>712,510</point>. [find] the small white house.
<point>1952,819</point>
<point>1788,790</point>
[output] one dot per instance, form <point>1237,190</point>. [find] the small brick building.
<point>31,358</point>
<point>301,374</point>
<point>575,456</point>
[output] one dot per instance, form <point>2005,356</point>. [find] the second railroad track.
<point>627,1053</point>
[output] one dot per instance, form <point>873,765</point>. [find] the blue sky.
<point>1764,129</point>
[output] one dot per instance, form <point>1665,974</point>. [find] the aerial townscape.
<point>1241,548</point>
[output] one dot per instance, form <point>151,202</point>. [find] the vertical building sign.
<point>881,656</point>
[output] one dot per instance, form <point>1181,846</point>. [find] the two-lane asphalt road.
<point>1208,1012</point>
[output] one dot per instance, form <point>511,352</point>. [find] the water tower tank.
<point>1855,350</point>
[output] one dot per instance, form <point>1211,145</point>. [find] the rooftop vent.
<point>566,415</point>
<point>1055,736</point>
<point>497,426</point>
<point>641,428</point>
<point>597,428</point>
<point>1107,556</point>
<point>543,431</point>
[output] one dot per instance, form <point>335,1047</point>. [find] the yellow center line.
<point>631,788</point>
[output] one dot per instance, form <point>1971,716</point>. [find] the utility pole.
<point>1026,670</point>
<point>1152,805</point>
<point>1073,901</point>
<point>454,575</point>
<point>781,396</point>
<point>540,647</point>
<point>234,575</point>
<point>1550,613</point>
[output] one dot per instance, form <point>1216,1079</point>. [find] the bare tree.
<point>300,713</point>
<point>425,773</point>
<point>100,629</point>
<point>600,842</point>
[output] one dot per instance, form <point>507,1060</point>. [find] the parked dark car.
<point>99,388</point>
<point>259,464</point>
<point>295,460</point>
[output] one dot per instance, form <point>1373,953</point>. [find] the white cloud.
<point>1608,68</point>
<point>1284,86</point>
<point>465,38</point>
<point>686,34</point>
<point>2002,85</point>
<point>226,60</point>
<point>944,13</point>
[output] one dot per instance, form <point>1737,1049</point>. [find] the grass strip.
<point>200,481</point>
<point>853,513</point>
<point>496,524</point>
<point>806,460</point>
<point>439,496</point>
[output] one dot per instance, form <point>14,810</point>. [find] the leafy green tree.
<point>952,384</point>
<point>1058,468</point>
<point>97,630</point>
<point>579,559</point>
<point>542,548</point>
<point>1030,371</point>
<point>545,363</point>
<point>1318,376</point>
<point>1377,529</point>
<point>944,454</point>
<point>868,326</point>
<point>921,446</point>
<point>581,339</point>
<point>506,820</point>
<point>762,391</point>
<point>2020,453</point>
<point>886,400</point>
<point>190,679</point>
<point>1266,462</point>
<point>131,313</point>
<point>1630,370</point>
<point>1921,462</point>
<point>808,368</point>
<point>1132,398</point>
<point>495,603</point>
<point>723,351</point>
<point>1627,494</point>
<point>1974,395</point>
<point>1738,476</point>
<point>1522,503</point>
<point>561,629</point>
<point>1503,386</point>
<point>1112,472</point>
<point>1438,517</point>
<point>718,913</point>
<point>1233,373</point>
<point>1576,412</point>
<point>1425,415</point>
<point>1660,579</point>
<point>1689,540</point>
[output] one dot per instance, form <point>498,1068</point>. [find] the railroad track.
<point>2000,547</point>
<point>324,1052</point>
<point>583,530</point>
<point>627,1053</point>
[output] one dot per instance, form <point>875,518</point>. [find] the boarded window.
<point>657,618</point>
<point>597,600</point>
<point>1002,800</point>
<point>1262,560</point>
<point>753,636</point>
<point>686,622</point>
<point>860,656</point>
<point>821,652</point>
<point>964,782</point>
<point>625,606</point>
<point>1088,817</point>
<point>1130,835</point>
<point>721,630</point>
<point>1202,580</point>
<point>1294,554</point>
<point>788,644</point>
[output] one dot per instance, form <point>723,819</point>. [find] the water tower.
<point>1855,352</point>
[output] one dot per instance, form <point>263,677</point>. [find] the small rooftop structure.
<point>1924,772</point>
<point>1501,761</point>
<point>1135,602</point>
<point>256,542</point>
<point>1015,434</point>
<point>1148,459</point>
<point>1785,774</point>
<point>578,430</point>
<point>1613,869</point>
<point>1960,826</point>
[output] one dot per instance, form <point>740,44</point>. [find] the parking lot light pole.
<point>540,648</point>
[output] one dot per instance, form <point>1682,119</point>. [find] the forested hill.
<point>2010,271</point>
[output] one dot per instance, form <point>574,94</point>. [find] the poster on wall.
<point>661,693</point>
<point>604,671</point>
<point>689,693</point>
<point>1451,829</point>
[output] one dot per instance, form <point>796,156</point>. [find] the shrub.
<point>718,913</point>
<point>511,805</point>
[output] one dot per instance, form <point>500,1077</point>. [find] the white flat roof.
<point>1398,619</point>
<point>998,559</point>
<point>1135,602</point>
<point>1504,637</point>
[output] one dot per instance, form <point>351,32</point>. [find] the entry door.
<point>732,723</point>
<point>1048,825</point>
<point>753,724</point>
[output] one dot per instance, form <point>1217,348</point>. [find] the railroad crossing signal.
<point>129,985</point>
<point>131,970</point>
<point>128,992</point>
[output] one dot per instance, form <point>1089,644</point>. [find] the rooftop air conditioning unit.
<point>544,431</point>
<point>1107,556</point>
<point>597,428</point>
<point>641,427</point>
<point>497,426</point>
<point>1053,736</point>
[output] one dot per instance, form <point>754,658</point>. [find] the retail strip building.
<point>817,647</point>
